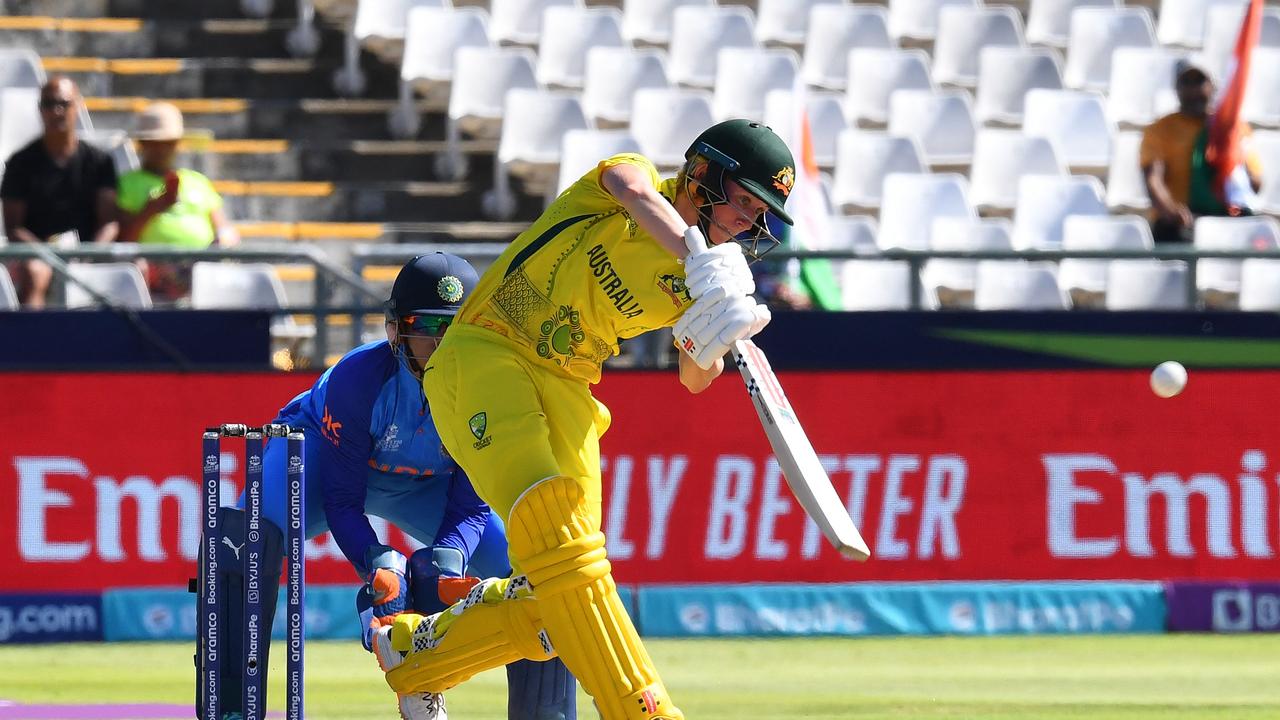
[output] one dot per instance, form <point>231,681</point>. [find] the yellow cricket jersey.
<point>581,278</point>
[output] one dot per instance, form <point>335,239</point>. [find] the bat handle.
<point>695,241</point>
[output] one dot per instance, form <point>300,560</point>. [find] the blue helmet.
<point>434,284</point>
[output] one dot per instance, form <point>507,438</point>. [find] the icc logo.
<point>255,463</point>
<point>210,462</point>
<point>295,462</point>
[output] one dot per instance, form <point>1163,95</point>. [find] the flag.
<point>808,207</point>
<point>1224,150</point>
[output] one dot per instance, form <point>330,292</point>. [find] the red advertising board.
<point>950,475</point>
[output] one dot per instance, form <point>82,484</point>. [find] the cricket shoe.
<point>413,706</point>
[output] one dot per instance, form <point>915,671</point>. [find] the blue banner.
<point>42,618</point>
<point>901,609</point>
<point>170,613</point>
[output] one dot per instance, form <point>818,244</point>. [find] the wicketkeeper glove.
<point>722,266</point>
<point>438,579</point>
<point>710,327</point>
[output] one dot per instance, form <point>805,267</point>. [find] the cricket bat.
<point>800,465</point>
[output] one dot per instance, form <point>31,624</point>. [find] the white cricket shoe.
<point>417,706</point>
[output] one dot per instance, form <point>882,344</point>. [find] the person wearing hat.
<point>56,186</point>
<point>1172,156</point>
<point>372,450</point>
<point>619,253</point>
<point>162,204</point>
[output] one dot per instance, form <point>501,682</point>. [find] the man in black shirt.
<point>56,184</point>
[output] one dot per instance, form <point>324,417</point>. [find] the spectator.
<point>161,204</point>
<point>55,185</point>
<point>1172,158</point>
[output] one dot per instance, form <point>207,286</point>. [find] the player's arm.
<point>694,378</point>
<point>15,219</point>
<point>632,186</point>
<point>438,573</point>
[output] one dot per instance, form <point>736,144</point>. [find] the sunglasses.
<point>433,325</point>
<point>54,104</point>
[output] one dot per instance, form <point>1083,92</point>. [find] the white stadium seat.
<point>1260,284</point>
<point>530,149</point>
<point>1147,285</point>
<point>1016,285</point>
<point>562,52</point>
<point>698,34</point>
<point>245,285</point>
<point>20,68</point>
<point>1126,186</point>
<point>783,22</point>
<point>1078,276</point>
<point>1262,95</point>
<point>1000,159</point>
<point>1141,87</point>
<point>940,121</point>
<point>1006,74</point>
<point>482,76</point>
<point>863,159</point>
<point>649,21</point>
<point>1095,35</point>
<point>826,120</point>
<point>745,75</point>
<point>1222,28</point>
<point>834,30</point>
<point>1075,122</point>
<point>380,25</point>
<point>8,293</point>
<point>1182,22</point>
<point>431,41</point>
<point>519,22</point>
<point>1049,21</point>
<point>875,285</point>
<point>963,32</point>
<point>856,233</point>
<point>949,282</point>
<point>911,203</point>
<point>19,119</point>
<point>874,73</point>
<point>613,74</point>
<point>121,283</point>
<point>1222,275</point>
<point>1045,202</point>
<point>582,150</point>
<point>1266,145</point>
<point>917,20</point>
<point>665,122</point>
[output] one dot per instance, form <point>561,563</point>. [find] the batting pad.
<point>496,624</point>
<point>558,544</point>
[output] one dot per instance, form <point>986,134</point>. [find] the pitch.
<point>1045,678</point>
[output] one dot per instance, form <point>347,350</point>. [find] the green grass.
<point>1040,678</point>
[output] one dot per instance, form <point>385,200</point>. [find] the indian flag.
<point>1224,150</point>
<point>809,208</point>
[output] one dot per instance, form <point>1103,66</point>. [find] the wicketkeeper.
<point>372,449</point>
<point>510,389</point>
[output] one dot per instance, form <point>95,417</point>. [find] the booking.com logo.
<point>47,621</point>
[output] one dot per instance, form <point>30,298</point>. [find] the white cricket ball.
<point>1168,379</point>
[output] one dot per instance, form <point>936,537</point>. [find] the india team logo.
<point>449,288</point>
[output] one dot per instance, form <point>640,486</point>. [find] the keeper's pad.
<point>556,540</point>
<point>541,691</point>
<point>496,624</point>
<point>231,605</point>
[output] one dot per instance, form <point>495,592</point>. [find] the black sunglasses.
<point>54,104</point>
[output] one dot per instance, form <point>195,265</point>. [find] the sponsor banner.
<point>1029,475</point>
<point>170,613</point>
<point>46,617</point>
<point>900,609</point>
<point>1223,606</point>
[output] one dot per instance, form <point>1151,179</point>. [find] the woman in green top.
<point>166,205</point>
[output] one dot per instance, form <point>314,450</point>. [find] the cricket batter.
<point>372,448</point>
<point>510,390</point>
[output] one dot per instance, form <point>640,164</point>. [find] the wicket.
<point>254,672</point>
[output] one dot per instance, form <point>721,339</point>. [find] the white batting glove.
<point>721,266</point>
<point>710,327</point>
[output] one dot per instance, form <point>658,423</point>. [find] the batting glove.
<point>722,266</point>
<point>710,327</point>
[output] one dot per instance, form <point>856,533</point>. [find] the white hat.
<point>159,121</point>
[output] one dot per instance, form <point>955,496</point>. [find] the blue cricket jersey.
<point>367,416</point>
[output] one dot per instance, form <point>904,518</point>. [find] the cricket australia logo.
<point>560,333</point>
<point>479,424</point>
<point>784,179</point>
<point>673,285</point>
<point>449,289</point>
